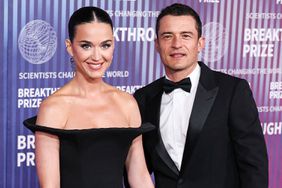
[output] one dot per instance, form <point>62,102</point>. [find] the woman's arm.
<point>47,160</point>
<point>47,145</point>
<point>137,172</point>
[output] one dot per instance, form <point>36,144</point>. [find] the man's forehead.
<point>177,21</point>
<point>177,24</point>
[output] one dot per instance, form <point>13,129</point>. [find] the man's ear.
<point>69,47</point>
<point>157,45</point>
<point>201,44</point>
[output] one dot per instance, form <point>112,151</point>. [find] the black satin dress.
<point>92,158</point>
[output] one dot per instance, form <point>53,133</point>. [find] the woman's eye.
<point>86,46</point>
<point>106,46</point>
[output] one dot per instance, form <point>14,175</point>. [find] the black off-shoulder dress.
<point>92,158</point>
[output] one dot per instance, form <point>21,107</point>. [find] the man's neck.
<point>176,76</point>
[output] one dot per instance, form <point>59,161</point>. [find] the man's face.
<point>178,44</point>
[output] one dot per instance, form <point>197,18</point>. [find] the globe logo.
<point>37,42</point>
<point>216,42</point>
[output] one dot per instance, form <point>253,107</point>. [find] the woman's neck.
<point>88,87</point>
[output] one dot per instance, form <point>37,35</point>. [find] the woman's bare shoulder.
<point>129,106</point>
<point>125,98</point>
<point>53,110</point>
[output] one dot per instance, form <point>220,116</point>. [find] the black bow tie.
<point>184,84</point>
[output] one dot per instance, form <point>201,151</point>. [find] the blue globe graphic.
<point>216,42</point>
<point>37,42</point>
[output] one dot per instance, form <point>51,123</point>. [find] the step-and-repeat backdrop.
<point>243,38</point>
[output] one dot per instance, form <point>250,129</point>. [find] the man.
<point>209,135</point>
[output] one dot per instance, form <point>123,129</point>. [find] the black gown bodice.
<point>92,158</point>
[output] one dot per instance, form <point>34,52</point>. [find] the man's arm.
<point>248,140</point>
<point>140,98</point>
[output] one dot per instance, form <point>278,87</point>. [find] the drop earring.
<point>72,63</point>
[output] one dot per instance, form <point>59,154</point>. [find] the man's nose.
<point>176,42</point>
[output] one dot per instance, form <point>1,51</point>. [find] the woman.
<point>86,131</point>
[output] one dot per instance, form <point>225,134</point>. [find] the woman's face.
<point>92,49</point>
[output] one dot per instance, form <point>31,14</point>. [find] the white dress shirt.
<point>176,108</point>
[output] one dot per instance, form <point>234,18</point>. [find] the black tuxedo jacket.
<point>225,146</point>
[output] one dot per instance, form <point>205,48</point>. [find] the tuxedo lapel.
<point>154,106</point>
<point>204,100</point>
<point>162,152</point>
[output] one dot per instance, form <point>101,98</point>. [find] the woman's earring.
<point>72,63</point>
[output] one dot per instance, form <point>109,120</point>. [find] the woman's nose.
<point>96,55</point>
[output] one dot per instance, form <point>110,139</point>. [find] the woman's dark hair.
<point>87,15</point>
<point>178,9</point>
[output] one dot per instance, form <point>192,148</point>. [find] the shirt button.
<point>180,181</point>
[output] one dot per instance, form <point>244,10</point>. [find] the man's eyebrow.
<point>187,32</point>
<point>166,33</point>
<point>182,32</point>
